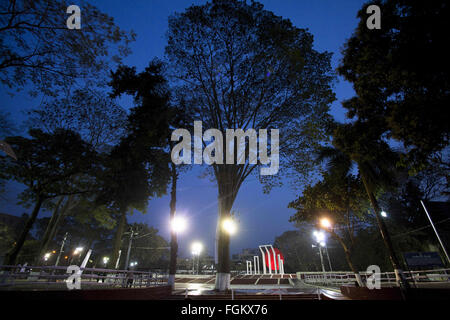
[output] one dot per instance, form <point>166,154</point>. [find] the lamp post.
<point>132,234</point>
<point>61,250</point>
<point>319,237</point>
<point>196,248</point>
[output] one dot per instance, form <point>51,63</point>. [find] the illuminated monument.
<point>271,258</point>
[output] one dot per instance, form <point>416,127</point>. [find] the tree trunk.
<point>12,255</point>
<point>118,237</point>
<point>349,259</point>
<point>63,212</point>
<point>48,231</point>
<point>385,235</point>
<point>226,201</point>
<point>173,234</point>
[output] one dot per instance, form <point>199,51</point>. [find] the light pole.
<point>61,250</point>
<point>132,234</point>
<point>196,248</point>
<point>320,241</point>
<point>319,237</point>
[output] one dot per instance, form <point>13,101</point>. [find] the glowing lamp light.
<point>178,224</point>
<point>229,226</point>
<point>196,248</point>
<point>78,250</point>
<point>319,235</point>
<point>383,214</point>
<point>325,223</point>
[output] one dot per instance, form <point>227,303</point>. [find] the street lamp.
<point>105,260</point>
<point>229,226</point>
<point>325,223</point>
<point>196,248</point>
<point>76,252</point>
<point>47,256</point>
<point>320,240</point>
<point>178,224</point>
<point>383,214</point>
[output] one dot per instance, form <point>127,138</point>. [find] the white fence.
<point>339,278</point>
<point>43,276</point>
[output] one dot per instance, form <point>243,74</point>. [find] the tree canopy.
<point>401,73</point>
<point>37,48</point>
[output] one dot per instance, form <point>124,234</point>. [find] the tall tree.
<point>360,143</point>
<point>151,120</point>
<point>401,73</point>
<point>45,165</point>
<point>99,121</point>
<point>130,177</point>
<point>340,197</point>
<point>239,66</point>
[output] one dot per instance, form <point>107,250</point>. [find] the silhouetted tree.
<point>46,164</point>
<point>239,67</point>
<point>401,74</point>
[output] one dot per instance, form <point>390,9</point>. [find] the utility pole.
<point>129,248</point>
<point>61,250</point>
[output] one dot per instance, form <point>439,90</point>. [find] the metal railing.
<point>50,277</point>
<point>339,278</point>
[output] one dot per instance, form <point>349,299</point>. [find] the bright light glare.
<point>320,236</point>
<point>322,244</point>
<point>78,250</point>
<point>229,226</point>
<point>196,248</point>
<point>325,223</point>
<point>47,256</point>
<point>105,260</point>
<point>178,224</point>
<point>383,214</point>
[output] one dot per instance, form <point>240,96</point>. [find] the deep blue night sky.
<point>262,216</point>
